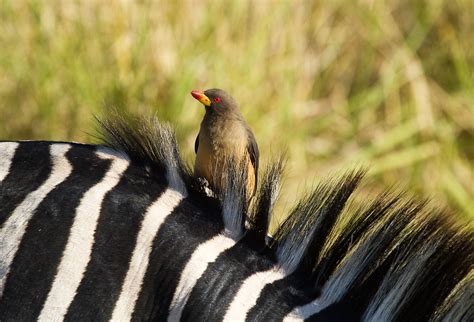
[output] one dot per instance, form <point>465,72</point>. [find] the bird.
<point>224,135</point>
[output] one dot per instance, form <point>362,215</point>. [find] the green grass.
<point>388,84</point>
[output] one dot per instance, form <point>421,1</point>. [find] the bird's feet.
<point>205,187</point>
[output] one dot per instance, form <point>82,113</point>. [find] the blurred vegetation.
<point>388,84</point>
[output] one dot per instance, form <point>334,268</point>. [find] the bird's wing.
<point>252,149</point>
<point>196,144</point>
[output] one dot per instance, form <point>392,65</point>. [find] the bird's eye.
<point>217,99</point>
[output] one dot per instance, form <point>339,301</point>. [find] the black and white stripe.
<point>77,261</point>
<point>49,227</point>
<point>6,159</point>
<point>125,233</point>
<point>14,227</point>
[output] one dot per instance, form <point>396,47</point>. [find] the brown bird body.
<point>224,136</point>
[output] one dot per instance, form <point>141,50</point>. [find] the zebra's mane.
<point>395,249</point>
<point>148,142</point>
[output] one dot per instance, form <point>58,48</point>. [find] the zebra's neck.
<point>136,245</point>
<point>93,233</point>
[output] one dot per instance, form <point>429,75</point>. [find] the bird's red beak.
<point>201,97</point>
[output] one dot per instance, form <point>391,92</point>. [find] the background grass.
<point>388,84</point>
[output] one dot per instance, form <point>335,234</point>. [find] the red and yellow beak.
<point>199,95</point>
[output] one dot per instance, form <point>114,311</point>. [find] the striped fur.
<point>122,231</point>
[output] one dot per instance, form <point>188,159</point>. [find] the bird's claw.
<point>205,187</point>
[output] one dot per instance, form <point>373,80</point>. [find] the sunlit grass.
<point>388,84</point>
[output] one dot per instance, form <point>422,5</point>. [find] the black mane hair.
<point>391,257</point>
<point>147,142</point>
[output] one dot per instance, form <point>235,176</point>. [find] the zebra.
<point>122,231</point>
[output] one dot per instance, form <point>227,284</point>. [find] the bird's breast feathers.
<point>222,140</point>
<point>227,135</point>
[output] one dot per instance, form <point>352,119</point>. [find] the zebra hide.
<point>123,231</point>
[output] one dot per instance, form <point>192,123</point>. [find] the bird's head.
<point>216,100</point>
